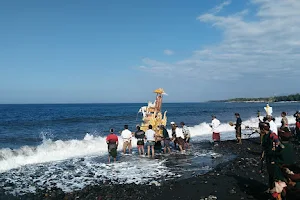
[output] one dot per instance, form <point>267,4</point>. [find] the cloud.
<point>263,42</point>
<point>168,52</point>
<point>220,7</point>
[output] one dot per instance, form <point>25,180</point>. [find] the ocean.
<point>63,145</point>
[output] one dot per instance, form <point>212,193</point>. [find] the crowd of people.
<point>150,139</point>
<point>277,151</point>
<point>278,155</point>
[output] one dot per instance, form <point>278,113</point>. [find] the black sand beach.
<point>236,179</point>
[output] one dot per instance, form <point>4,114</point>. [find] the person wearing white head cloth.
<point>268,109</point>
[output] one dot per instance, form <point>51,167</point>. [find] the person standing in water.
<point>173,128</point>
<point>150,136</point>
<point>238,128</point>
<point>179,139</point>
<point>215,123</point>
<point>112,145</point>
<point>166,139</point>
<point>140,136</point>
<point>126,136</point>
<point>186,134</point>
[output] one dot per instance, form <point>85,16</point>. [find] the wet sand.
<point>235,179</point>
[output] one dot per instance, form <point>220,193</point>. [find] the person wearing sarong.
<point>215,123</point>
<point>112,145</point>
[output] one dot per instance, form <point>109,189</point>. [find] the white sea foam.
<point>50,150</point>
<point>204,132</point>
<point>76,173</point>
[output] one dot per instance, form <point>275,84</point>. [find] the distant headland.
<point>288,98</point>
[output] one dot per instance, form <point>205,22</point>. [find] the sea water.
<point>63,145</point>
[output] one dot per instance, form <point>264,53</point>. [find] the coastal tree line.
<point>291,97</point>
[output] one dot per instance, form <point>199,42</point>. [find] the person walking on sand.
<point>215,123</point>
<point>112,145</point>
<point>238,128</point>
<point>140,136</point>
<point>126,136</point>
<point>150,136</point>
<point>166,139</point>
<point>186,134</point>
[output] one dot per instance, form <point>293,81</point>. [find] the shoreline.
<point>236,179</point>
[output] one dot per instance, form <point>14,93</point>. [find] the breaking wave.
<point>58,150</point>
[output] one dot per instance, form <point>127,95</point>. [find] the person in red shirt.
<point>112,145</point>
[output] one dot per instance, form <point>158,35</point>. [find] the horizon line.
<point>99,103</point>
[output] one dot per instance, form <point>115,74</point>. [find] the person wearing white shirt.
<point>215,123</point>
<point>273,126</point>
<point>150,136</point>
<point>126,136</point>
<point>186,133</point>
<point>179,133</point>
<point>179,139</point>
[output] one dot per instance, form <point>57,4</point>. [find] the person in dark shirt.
<point>297,128</point>
<point>112,145</point>
<point>173,128</point>
<point>238,128</point>
<point>166,139</point>
<point>268,154</point>
<point>140,136</point>
<point>287,154</point>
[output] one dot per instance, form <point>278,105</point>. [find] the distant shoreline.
<point>274,99</point>
<point>227,101</point>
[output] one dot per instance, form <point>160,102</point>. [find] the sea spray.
<point>51,150</point>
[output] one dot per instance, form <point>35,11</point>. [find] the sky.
<point>93,51</point>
